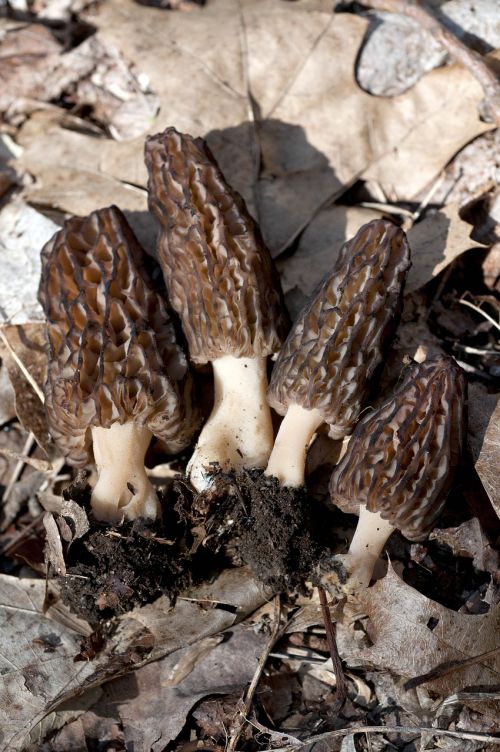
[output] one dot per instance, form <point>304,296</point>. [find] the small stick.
<point>27,375</point>
<point>459,51</point>
<point>480,311</point>
<point>28,446</point>
<point>341,685</point>
<point>411,730</point>
<point>247,702</point>
<point>443,669</point>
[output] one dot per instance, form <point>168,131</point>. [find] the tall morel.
<point>326,366</point>
<point>401,461</point>
<point>116,374</point>
<point>222,283</point>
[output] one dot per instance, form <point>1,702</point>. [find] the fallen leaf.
<point>469,540</point>
<point>292,65</point>
<point>23,350</point>
<point>484,439</point>
<point>435,242</point>
<point>23,232</point>
<point>34,682</point>
<point>411,634</point>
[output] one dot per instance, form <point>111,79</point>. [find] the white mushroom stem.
<point>239,431</point>
<point>366,546</point>
<point>288,458</point>
<point>123,490</point>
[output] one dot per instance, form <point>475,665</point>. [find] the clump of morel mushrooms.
<point>116,375</point>
<point>400,464</point>
<point>222,283</point>
<point>327,364</point>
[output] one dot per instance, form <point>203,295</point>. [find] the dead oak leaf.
<point>272,87</point>
<point>484,439</point>
<point>412,634</point>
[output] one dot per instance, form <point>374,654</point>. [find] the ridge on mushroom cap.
<point>401,458</point>
<point>337,341</point>
<point>113,356</point>
<point>219,274</point>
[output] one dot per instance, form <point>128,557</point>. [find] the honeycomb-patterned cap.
<point>113,356</point>
<point>340,336</point>
<point>219,274</point>
<point>402,457</point>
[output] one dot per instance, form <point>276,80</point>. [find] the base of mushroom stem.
<point>123,490</point>
<point>239,431</point>
<point>288,458</point>
<point>353,571</point>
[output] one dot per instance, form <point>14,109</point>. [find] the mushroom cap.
<point>339,337</point>
<point>219,274</point>
<point>402,457</point>
<point>113,356</point>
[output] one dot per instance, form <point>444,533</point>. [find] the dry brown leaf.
<point>261,81</point>
<point>435,242</point>
<point>37,668</point>
<point>412,634</point>
<point>484,439</point>
<point>26,350</point>
<point>468,539</point>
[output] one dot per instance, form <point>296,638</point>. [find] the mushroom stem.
<point>239,431</point>
<point>366,546</point>
<point>288,458</point>
<point>123,490</point>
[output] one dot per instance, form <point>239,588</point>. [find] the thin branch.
<point>443,669</point>
<point>411,730</point>
<point>27,375</point>
<point>341,685</point>
<point>470,59</point>
<point>480,311</point>
<point>247,702</point>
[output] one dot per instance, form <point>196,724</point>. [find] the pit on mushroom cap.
<point>116,373</point>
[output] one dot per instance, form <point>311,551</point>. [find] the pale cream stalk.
<point>239,431</point>
<point>366,546</point>
<point>288,458</point>
<point>123,490</point>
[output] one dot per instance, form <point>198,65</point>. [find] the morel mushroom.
<point>326,366</point>
<point>400,463</point>
<point>116,375</point>
<point>222,283</point>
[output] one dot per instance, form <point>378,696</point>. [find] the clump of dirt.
<point>259,523</point>
<point>248,518</point>
<point>113,569</point>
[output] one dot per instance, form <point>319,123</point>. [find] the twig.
<point>42,465</point>
<point>340,682</point>
<point>412,730</point>
<point>443,669</point>
<point>28,446</point>
<point>480,310</point>
<point>27,375</point>
<point>247,701</point>
<point>459,51</point>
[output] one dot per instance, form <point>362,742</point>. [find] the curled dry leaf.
<point>411,634</point>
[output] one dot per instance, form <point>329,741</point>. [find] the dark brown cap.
<point>402,457</point>
<point>340,336</point>
<point>219,274</point>
<point>113,356</point>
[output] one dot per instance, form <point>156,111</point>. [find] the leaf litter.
<point>275,89</point>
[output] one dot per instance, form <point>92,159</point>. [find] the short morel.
<point>222,283</point>
<point>400,464</point>
<point>327,364</point>
<point>116,374</point>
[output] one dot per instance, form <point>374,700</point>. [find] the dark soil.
<point>245,519</point>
